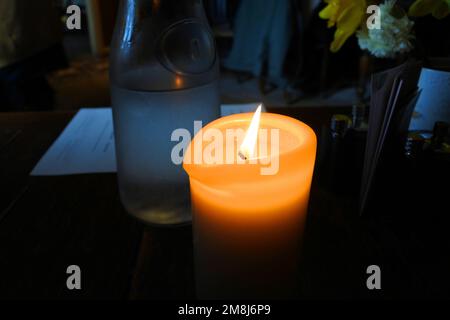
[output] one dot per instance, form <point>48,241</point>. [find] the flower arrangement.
<point>394,36</point>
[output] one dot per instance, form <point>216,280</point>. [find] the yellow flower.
<point>347,16</point>
<point>438,8</point>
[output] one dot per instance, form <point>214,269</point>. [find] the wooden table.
<point>49,223</point>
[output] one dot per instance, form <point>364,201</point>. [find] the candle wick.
<point>243,157</point>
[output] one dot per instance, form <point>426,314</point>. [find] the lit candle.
<point>249,204</point>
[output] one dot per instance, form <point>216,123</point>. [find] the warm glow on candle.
<point>247,149</point>
<point>249,217</point>
<point>178,82</point>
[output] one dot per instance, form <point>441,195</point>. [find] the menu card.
<point>394,95</point>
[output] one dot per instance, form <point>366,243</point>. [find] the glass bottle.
<point>164,76</point>
<point>340,124</point>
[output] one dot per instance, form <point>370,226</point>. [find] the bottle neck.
<point>161,14</point>
<point>161,45</point>
<point>173,9</point>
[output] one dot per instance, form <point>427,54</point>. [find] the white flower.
<point>394,37</point>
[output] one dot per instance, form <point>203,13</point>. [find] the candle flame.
<point>178,82</point>
<point>247,149</point>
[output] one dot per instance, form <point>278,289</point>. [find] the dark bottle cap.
<point>340,124</point>
<point>358,114</point>
<point>440,132</point>
<point>441,128</point>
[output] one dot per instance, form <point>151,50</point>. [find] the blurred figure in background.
<point>30,48</point>
<point>263,31</point>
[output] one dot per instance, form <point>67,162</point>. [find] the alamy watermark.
<point>223,147</point>
<point>374,280</point>
<point>73,281</point>
<point>374,20</point>
<point>73,21</point>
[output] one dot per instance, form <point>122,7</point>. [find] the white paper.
<point>434,101</point>
<point>87,143</point>
<point>85,146</point>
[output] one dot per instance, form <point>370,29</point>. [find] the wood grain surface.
<point>49,223</point>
